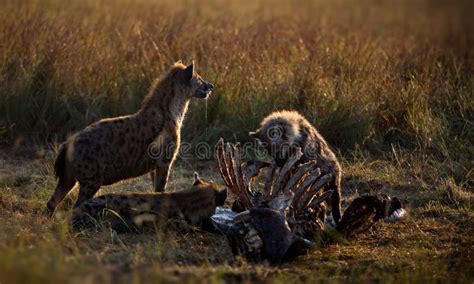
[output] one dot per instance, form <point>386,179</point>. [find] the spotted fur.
<point>282,131</point>
<point>124,147</point>
<point>131,212</point>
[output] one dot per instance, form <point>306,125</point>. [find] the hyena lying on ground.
<point>118,148</point>
<point>281,131</point>
<point>135,211</point>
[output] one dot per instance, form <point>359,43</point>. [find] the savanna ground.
<point>388,83</point>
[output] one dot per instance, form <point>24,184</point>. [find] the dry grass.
<point>435,243</point>
<point>388,83</point>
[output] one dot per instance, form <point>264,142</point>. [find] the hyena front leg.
<point>161,175</point>
<point>86,192</point>
<point>62,189</point>
<point>164,162</point>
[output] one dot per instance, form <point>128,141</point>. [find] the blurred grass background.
<point>366,73</point>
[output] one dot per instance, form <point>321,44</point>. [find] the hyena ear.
<point>179,62</point>
<point>189,72</point>
<point>255,134</point>
<point>197,179</point>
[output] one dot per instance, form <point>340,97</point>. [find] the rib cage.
<point>296,191</point>
<point>282,217</point>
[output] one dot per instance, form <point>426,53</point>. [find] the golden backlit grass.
<point>434,244</point>
<point>365,72</point>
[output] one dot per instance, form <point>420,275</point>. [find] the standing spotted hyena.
<point>280,131</point>
<point>118,148</point>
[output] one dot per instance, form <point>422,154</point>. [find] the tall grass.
<point>369,74</point>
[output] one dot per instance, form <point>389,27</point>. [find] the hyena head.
<point>219,196</point>
<point>276,134</point>
<point>193,84</point>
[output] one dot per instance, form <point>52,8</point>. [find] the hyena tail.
<point>66,180</point>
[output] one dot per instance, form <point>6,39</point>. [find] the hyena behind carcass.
<point>123,147</point>
<point>281,131</point>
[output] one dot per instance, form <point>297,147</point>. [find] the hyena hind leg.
<point>63,187</point>
<point>86,192</point>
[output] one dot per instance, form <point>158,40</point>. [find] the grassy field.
<point>388,83</point>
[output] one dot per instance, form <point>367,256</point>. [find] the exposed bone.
<point>269,182</point>
<point>309,243</point>
<point>396,215</point>
<point>229,169</point>
<point>318,200</point>
<point>250,170</point>
<point>230,164</point>
<point>237,165</point>
<point>231,173</point>
<point>242,216</point>
<point>285,172</point>
<point>311,193</point>
<point>246,175</point>
<point>253,240</point>
<point>309,179</point>
<point>223,169</point>
<point>297,175</point>
<point>281,191</point>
